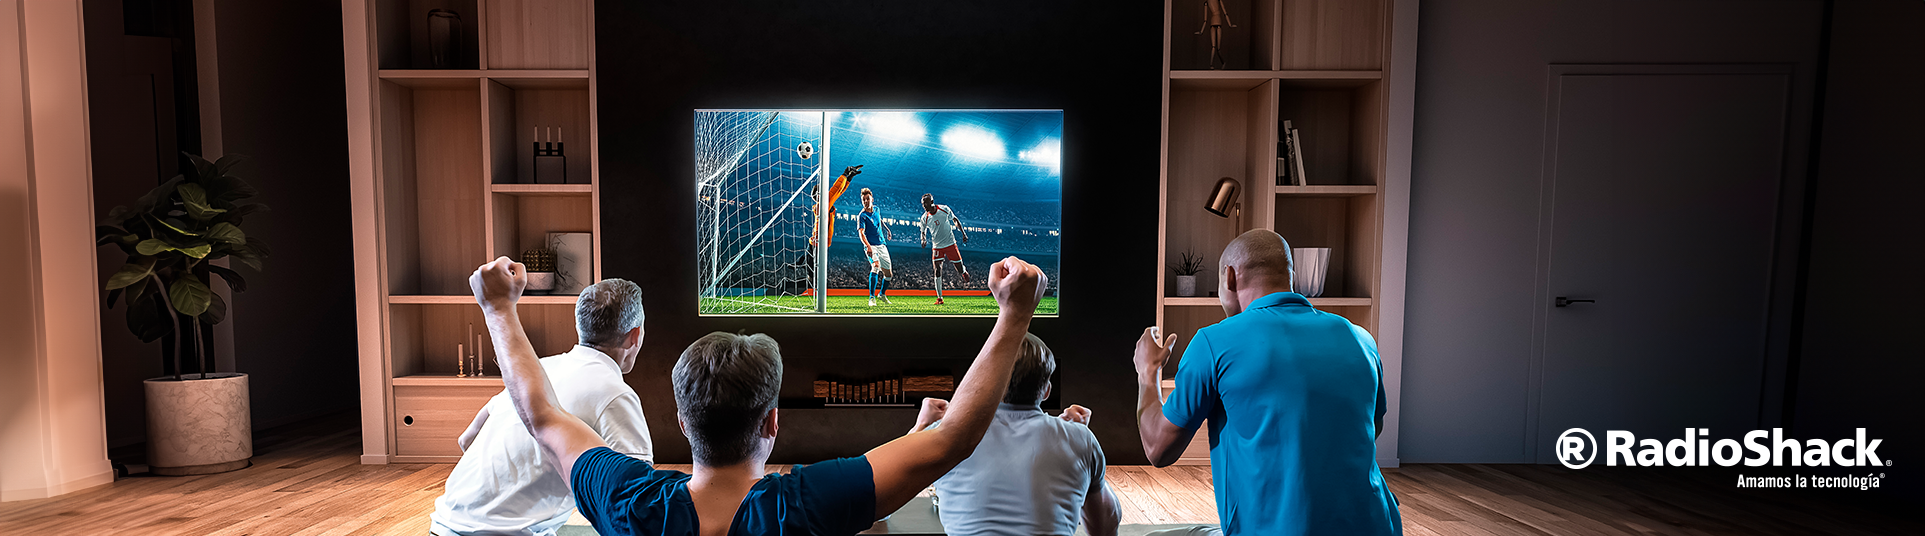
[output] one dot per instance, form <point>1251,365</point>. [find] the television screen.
<point>867,212</point>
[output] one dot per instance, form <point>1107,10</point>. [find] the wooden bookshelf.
<point>1330,67</point>
<point>443,180</point>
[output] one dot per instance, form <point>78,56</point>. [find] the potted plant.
<point>197,423</point>
<point>1186,268</point>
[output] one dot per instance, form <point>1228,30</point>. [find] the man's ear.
<point>682,425</point>
<point>769,426</point>
<point>1047,387</point>
<point>633,339</point>
<point>1230,278</point>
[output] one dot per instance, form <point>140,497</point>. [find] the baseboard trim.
<point>374,459</point>
<point>79,484</point>
<point>1389,463</point>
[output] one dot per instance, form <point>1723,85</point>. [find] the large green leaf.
<point>216,310</point>
<point>247,257</point>
<point>198,251</point>
<point>233,278</point>
<point>190,295</point>
<point>130,273</point>
<point>159,195</point>
<point>227,233</point>
<point>148,318</point>
<point>174,225</point>
<point>195,200</point>
<point>153,246</point>
<point>117,215</point>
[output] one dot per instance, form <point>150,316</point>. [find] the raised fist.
<point>498,284</point>
<point>1017,285</point>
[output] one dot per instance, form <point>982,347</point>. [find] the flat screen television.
<point>914,206</point>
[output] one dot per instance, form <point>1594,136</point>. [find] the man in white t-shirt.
<point>504,484</point>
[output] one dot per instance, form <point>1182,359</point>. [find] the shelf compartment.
<point>517,108</point>
<point>448,380</point>
<point>1316,190</point>
<point>1331,34</point>
<point>401,33</point>
<point>562,190</point>
<point>1342,131</point>
<point>529,77</point>
<point>1215,134</point>
<point>1252,44</point>
<point>539,34</point>
<point>431,186</point>
<point>1347,225</point>
<point>429,419</point>
<point>422,337</point>
<point>522,222</point>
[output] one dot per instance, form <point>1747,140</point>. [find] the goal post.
<point>755,210</point>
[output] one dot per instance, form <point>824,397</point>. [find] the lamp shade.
<point>1223,197</point>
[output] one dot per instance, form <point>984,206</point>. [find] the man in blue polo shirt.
<point>1294,398</point>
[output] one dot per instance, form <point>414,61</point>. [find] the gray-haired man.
<point>504,484</point>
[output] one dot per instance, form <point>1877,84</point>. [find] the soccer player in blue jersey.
<point>869,227</point>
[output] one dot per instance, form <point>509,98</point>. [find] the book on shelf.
<point>1297,176</point>
<point>891,390</point>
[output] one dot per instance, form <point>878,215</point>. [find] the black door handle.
<point>1563,301</point>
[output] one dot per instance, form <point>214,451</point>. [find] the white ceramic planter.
<point>198,426</point>
<point>1186,285</point>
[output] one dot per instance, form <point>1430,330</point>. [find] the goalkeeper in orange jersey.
<point>836,188</point>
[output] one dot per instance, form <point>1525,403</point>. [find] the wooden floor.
<point>307,480</point>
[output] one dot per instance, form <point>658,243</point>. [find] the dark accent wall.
<point>284,104</point>
<point>1859,359</point>
<point>1100,63</point>
<point>1477,170</point>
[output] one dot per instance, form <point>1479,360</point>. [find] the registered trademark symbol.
<point>1888,463</point>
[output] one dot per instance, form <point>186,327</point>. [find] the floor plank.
<point>307,480</point>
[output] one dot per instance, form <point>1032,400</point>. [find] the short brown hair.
<point>725,385</point>
<point>1034,365</point>
<point>865,191</point>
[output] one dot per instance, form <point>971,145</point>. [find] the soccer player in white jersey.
<point>940,231</point>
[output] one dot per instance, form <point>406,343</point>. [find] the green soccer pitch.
<point>859,305</point>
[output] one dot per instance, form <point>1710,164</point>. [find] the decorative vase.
<point>540,282</point>
<point>444,33</point>
<point>198,426</point>
<point>1312,265</point>
<point>1186,285</point>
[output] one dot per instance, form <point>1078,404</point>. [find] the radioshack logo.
<point>1576,448</point>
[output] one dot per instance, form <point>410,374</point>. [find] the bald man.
<point>1294,398</point>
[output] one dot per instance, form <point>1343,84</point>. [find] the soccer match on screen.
<point>873,212</point>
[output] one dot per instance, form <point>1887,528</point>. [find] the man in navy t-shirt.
<point>1294,399</point>
<point>725,392</point>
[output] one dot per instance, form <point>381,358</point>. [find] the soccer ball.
<point>806,150</point>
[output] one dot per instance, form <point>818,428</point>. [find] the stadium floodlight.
<point>898,126</point>
<point>1048,153</point>
<point>972,141</point>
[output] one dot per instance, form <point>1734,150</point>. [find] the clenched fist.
<point>1017,285</point>
<point>498,284</point>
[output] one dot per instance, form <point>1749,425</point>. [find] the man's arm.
<point>1101,512</point>
<point>960,233</point>
<point>474,429</point>
<point>624,429</point>
<point>905,466</point>
<point>497,286</point>
<point>1163,440</point>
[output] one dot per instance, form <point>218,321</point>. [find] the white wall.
<point>52,424</point>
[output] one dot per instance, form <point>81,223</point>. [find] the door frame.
<point>1786,237</point>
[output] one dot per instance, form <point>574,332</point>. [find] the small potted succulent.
<point>540,263</point>
<point>1186,268</point>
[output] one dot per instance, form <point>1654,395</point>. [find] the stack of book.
<point>889,391</point>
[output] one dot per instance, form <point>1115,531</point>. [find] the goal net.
<point>754,211</point>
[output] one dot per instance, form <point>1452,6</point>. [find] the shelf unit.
<point>1340,71</point>
<point>443,181</point>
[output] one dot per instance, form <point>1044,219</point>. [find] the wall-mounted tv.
<point>872,212</point>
